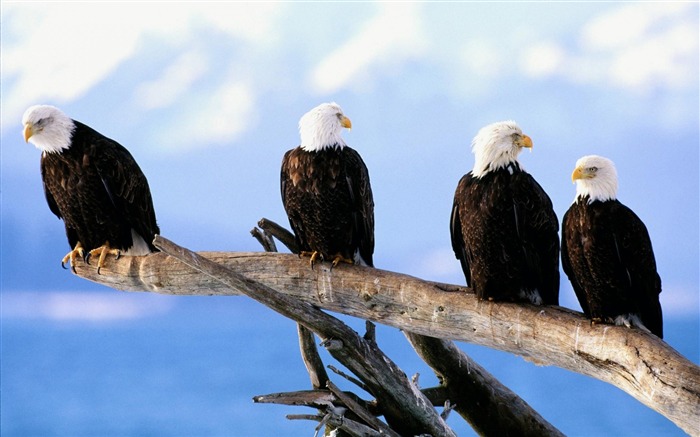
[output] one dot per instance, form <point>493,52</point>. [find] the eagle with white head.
<point>326,191</point>
<point>503,227</point>
<point>93,184</point>
<point>607,254</point>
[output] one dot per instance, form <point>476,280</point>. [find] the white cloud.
<point>57,52</point>
<point>482,57</point>
<point>668,59</point>
<point>639,47</point>
<point>175,80</point>
<point>629,24</point>
<point>83,306</point>
<point>254,22</point>
<point>227,113</point>
<point>543,59</point>
<point>217,117</point>
<point>393,36</point>
<point>60,52</point>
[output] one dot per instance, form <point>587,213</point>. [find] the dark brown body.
<point>608,257</point>
<point>328,200</point>
<point>504,233</point>
<point>99,191</point>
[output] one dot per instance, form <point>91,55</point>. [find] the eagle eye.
<point>592,169</point>
<point>42,122</point>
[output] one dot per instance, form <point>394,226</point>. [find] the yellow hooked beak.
<point>580,173</point>
<point>345,122</point>
<point>28,132</point>
<point>524,141</point>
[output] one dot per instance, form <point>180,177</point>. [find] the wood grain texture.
<point>636,362</point>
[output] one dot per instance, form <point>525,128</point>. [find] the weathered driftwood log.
<point>636,362</point>
<point>405,408</point>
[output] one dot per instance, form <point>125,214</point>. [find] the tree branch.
<point>311,358</point>
<point>282,234</point>
<point>265,240</point>
<point>489,406</point>
<point>636,362</point>
<point>339,422</point>
<point>406,409</point>
<point>361,412</point>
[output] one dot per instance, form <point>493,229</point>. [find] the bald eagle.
<point>94,185</point>
<point>607,253</point>
<point>326,191</point>
<point>503,226</point>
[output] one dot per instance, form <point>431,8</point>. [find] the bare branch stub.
<point>279,232</point>
<point>265,240</point>
<point>306,398</point>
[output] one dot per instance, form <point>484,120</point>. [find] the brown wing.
<point>126,186</point>
<point>290,173</point>
<point>458,243</point>
<point>572,255</point>
<point>362,200</point>
<point>636,257</point>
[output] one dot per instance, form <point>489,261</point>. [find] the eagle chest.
<point>62,176</point>
<point>73,182</point>
<point>318,199</point>
<point>316,173</point>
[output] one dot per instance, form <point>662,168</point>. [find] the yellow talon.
<point>103,251</point>
<point>314,256</point>
<point>340,258</point>
<point>72,255</point>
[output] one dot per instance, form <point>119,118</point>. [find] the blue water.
<point>189,366</point>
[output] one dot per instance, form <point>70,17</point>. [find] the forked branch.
<point>406,409</point>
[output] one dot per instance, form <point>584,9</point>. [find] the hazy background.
<point>207,97</point>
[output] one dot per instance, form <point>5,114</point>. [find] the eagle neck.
<point>601,190</point>
<point>338,145</point>
<point>512,166</point>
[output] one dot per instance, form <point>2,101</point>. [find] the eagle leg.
<point>72,255</point>
<point>103,251</point>
<point>314,256</point>
<point>340,258</point>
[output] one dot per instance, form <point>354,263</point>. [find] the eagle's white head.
<point>596,178</point>
<point>496,146</point>
<point>320,128</point>
<point>48,128</point>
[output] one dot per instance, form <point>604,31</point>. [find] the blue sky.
<point>207,97</point>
